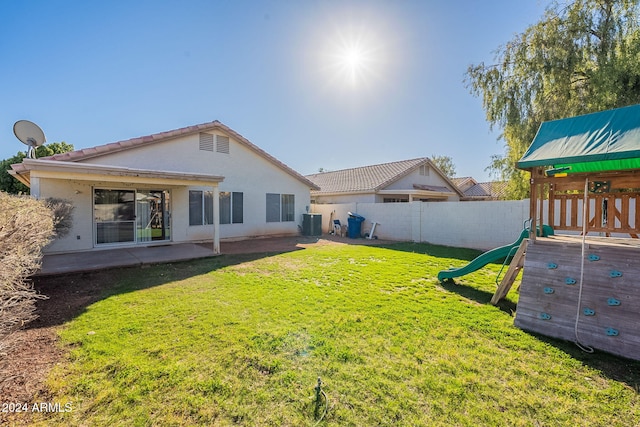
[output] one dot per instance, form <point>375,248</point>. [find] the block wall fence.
<point>478,225</point>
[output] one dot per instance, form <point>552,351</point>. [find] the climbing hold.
<point>570,281</point>
<point>548,290</point>
<point>594,257</point>
<point>552,266</point>
<point>615,273</point>
<point>612,332</point>
<point>613,302</point>
<point>545,316</point>
<point>589,312</point>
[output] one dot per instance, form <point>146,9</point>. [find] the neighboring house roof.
<point>367,179</point>
<point>114,147</point>
<point>464,182</point>
<point>486,190</point>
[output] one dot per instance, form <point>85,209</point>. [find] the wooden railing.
<point>606,212</point>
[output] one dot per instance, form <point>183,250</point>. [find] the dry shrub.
<point>62,218</point>
<point>26,226</point>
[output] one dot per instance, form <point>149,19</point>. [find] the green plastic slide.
<point>490,256</point>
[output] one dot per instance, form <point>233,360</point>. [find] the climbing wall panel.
<point>609,312</point>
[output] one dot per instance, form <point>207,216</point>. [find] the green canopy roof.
<point>604,141</point>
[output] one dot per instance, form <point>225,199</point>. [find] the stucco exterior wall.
<point>80,236</point>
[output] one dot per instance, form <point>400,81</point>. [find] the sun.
<point>353,63</point>
<point>353,57</point>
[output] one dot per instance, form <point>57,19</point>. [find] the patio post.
<point>216,219</point>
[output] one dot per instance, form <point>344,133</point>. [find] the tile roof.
<point>114,147</point>
<point>484,190</point>
<point>464,180</point>
<point>366,179</point>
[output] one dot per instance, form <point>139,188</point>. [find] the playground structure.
<point>585,180</point>
<point>583,287</point>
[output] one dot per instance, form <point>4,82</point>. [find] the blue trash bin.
<point>355,225</point>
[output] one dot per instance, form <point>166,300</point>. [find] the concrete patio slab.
<point>77,262</point>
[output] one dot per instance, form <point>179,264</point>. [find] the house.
<point>474,190</point>
<point>192,184</point>
<point>402,181</point>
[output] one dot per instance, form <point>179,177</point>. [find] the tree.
<point>445,164</point>
<point>581,57</point>
<point>11,185</point>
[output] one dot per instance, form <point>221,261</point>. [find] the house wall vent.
<point>206,141</point>
<point>222,144</point>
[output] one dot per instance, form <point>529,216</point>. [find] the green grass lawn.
<point>241,340</point>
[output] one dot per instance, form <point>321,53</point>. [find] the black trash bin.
<point>355,225</point>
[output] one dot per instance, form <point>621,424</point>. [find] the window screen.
<point>273,207</point>
<point>288,207</point>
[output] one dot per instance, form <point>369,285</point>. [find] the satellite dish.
<point>29,134</point>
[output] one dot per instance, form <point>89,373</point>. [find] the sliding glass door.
<point>114,213</point>
<point>152,215</point>
<point>130,216</point>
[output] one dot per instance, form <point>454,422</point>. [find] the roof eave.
<point>57,169</point>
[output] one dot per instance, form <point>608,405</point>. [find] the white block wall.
<point>478,225</point>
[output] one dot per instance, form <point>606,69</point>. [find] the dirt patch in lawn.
<point>34,350</point>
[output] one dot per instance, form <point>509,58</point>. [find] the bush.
<point>62,218</point>
<point>26,226</point>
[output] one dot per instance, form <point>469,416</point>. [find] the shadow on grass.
<point>69,295</point>
<point>617,368</point>
<point>479,296</point>
<point>614,367</point>
<point>463,254</point>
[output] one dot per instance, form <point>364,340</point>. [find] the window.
<point>288,207</point>
<point>231,207</point>
<point>200,207</point>
<point>280,207</point>
<point>424,170</point>
<point>273,207</point>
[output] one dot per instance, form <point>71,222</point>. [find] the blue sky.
<point>275,71</point>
